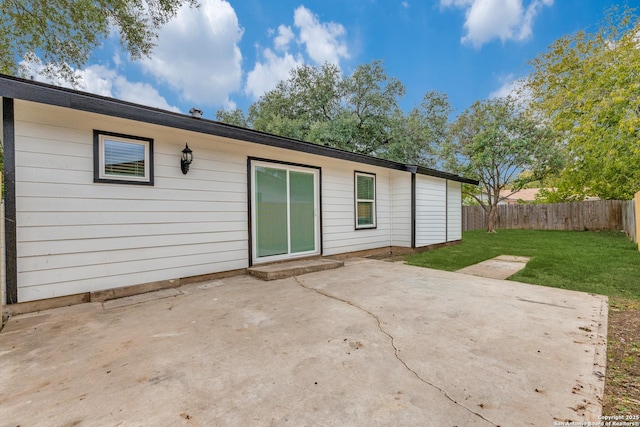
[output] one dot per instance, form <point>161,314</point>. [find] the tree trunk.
<point>491,218</point>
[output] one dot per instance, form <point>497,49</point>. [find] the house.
<point>96,198</point>
<point>526,195</point>
<point>509,197</point>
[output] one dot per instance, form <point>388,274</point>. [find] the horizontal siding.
<point>46,248</point>
<point>401,209</point>
<point>90,205</point>
<point>169,218</point>
<point>161,272</point>
<point>63,268</point>
<point>61,232</point>
<point>338,210</point>
<point>431,210</point>
<point>454,211</point>
<point>75,235</point>
<point>201,191</point>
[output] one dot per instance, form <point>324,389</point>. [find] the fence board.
<point>594,215</point>
<point>628,220</point>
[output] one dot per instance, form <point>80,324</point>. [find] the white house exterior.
<point>95,198</point>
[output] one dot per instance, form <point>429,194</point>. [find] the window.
<point>122,158</point>
<point>365,200</point>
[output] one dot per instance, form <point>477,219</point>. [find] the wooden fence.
<point>590,215</point>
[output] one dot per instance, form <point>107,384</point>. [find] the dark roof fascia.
<point>439,174</point>
<point>29,90</point>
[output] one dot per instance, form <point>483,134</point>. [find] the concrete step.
<point>283,270</point>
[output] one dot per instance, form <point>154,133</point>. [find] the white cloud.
<point>527,23</point>
<point>486,20</point>
<point>105,81</point>
<point>514,87</point>
<point>457,3</point>
<point>140,93</point>
<point>198,55</point>
<point>405,4</point>
<point>315,41</point>
<point>100,80</point>
<point>265,75</point>
<point>284,37</point>
<point>324,42</point>
<point>117,60</point>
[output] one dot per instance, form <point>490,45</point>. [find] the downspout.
<point>446,210</point>
<point>413,210</point>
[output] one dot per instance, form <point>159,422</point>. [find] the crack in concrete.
<point>395,349</point>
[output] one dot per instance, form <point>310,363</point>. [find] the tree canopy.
<point>499,144</point>
<point>63,33</point>
<point>358,113</point>
<point>586,86</point>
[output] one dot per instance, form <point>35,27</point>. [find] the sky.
<point>226,54</point>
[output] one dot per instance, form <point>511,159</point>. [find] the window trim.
<point>98,158</point>
<point>374,224</point>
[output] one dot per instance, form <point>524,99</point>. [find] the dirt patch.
<point>622,387</point>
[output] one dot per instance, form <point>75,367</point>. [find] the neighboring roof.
<point>526,195</point>
<point>29,90</point>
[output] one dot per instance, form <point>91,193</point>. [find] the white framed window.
<point>365,200</point>
<point>122,159</point>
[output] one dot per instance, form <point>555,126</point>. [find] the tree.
<point>586,86</point>
<point>63,33</point>
<point>358,113</point>
<point>321,105</point>
<point>298,106</point>
<point>418,135</point>
<point>233,117</point>
<point>500,145</point>
<point>371,102</point>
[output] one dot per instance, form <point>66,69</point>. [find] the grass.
<point>598,262</point>
<point>604,263</point>
<point>622,389</point>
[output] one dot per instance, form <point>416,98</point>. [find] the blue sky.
<point>227,53</point>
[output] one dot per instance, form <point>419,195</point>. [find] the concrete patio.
<point>372,343</point>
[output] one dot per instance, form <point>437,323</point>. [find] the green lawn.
<point>599,262</point>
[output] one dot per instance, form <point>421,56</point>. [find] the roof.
<point>29,90</point>
<point>526,194</point>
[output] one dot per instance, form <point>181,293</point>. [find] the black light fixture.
<point>187,158</point>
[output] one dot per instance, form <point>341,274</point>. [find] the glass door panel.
<point>302,211</point>
<point>272,237</point>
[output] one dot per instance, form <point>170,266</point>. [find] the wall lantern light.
<point>187,158</point>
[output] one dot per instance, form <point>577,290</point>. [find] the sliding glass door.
<point>285,220</point>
